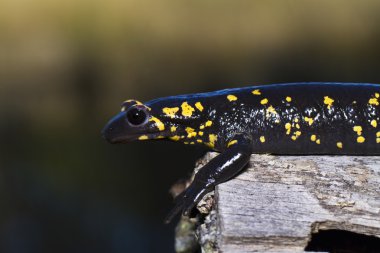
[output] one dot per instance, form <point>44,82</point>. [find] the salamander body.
<point>295,118</point>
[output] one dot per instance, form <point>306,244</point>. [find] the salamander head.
<point>157,119</point>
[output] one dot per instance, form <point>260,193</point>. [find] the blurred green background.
<point>66,66</point>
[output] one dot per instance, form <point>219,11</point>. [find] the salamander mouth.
<point>115,138</point>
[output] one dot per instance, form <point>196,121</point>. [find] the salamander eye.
<point>136,116</point>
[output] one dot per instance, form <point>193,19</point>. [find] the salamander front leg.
<point>218,170</point>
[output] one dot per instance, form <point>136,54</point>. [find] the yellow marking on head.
<point>143,137</point>
<point>174,138</point>
<point>288,99</point>
<point>132,100</point>
<point>170,111</point>
<point>313,137</point>
<point>262,139</point>
<point>231,98</point>
<point>208,123</point>
<point>158,122</point>
<point>373,101</point>
<point>200,133</point>
<point>309,120</point>
<point>358,129</point>
<point>231,143</point>
<point>173,129</point>
<point>264,101</point>
<point>360,139</point>
<point>374,123</point>
<point>377,95</point>
<point>187,110</point>
<point>378,134</point>
<point>199,106</point>
<point>339,144</point>
<point>199,140</point>
<point>256,92</point>
<point>288,128</point>
<point>318,141</point>
<point>328,101</point>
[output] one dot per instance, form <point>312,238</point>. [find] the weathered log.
<point>279,202</point>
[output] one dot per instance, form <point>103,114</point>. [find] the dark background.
<point>66,66</point>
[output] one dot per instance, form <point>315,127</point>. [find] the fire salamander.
<point>295,118</point>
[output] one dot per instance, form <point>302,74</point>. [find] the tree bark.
<point>279,202</point>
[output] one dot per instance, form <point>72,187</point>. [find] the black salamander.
<point>295,118</point>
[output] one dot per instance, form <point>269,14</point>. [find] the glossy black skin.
<point>259,123</point>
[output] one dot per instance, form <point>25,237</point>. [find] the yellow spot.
<point>212,139</point>
<point>377,140</point>
<point>173,128</point>
<point>174,138</point>
<point>199,106</point>
<point>309,120</point>
<point>202,126</point>
<point>191,143</point>
<point>264,101</point>
<point>160,137</point>
<point>373,101</point>
<point>297,126</point>
<point>208,123</point>
<point>190,132</point>
<point>360,139</point>
<point>288,127</point>
<point>170,111</point>
<point>186,142</point>
<point>339,144</point>
<point>256,92</point>
<point>231,97</point>
<point>187,110</point>
<point>199,141</point>
<point>262,138</point>
<point>318,141</point>
<point>158,122</point>
<point>358,129</point>
<point>378,134</point>
<point>193,134</point>
<point>374,123</point>
<point>271,109</point>
<point>200,133</point>
<point>288,99</point>
<point>296,135</point>
<point>143,137</point>
<point>296,120</point>
<point>231,143</point>
<point>377,95</point>
<point>313,137</point>
<point>328,101</point>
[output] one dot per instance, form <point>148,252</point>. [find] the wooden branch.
<point>280,201</point>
